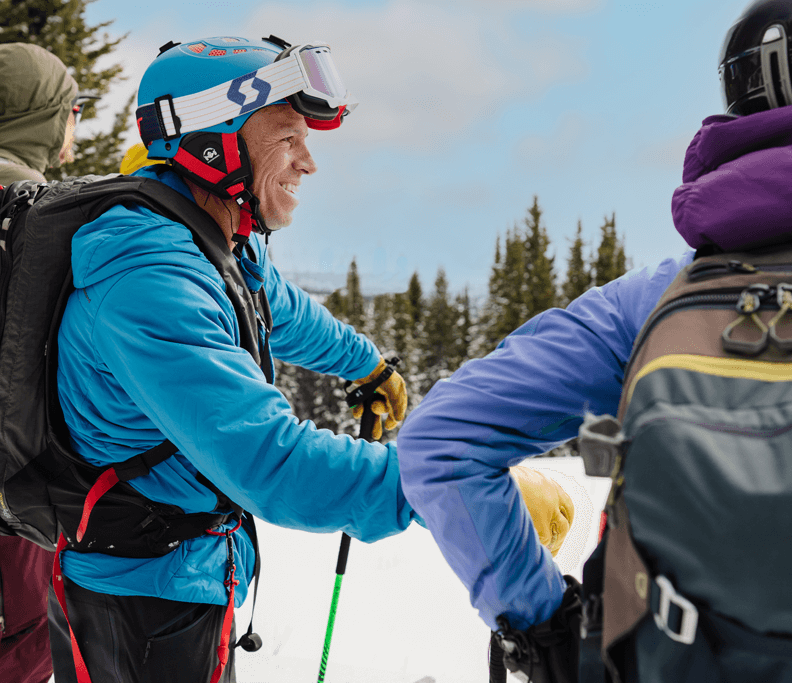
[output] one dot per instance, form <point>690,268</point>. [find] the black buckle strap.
<point>141,464</point>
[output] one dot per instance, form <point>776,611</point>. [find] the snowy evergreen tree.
<point>578,278</point>
<point>415,304</point>
<point>539,290</point>
<point>463,331</point>
<point>354,307</point>
<point>437,343</point>
<point>610,262</point>
<point>60,27</point>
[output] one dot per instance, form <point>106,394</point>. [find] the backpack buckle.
<point>601,443</point>
<point>689,619</point>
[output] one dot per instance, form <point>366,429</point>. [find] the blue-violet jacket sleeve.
<point>526,397</point>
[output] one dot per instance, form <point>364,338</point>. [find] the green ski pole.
<point>366,428</point>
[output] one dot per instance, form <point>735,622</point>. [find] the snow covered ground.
<point>403,616</point>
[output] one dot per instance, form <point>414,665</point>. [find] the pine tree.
<point>415,302</point>
<point>539,290</point>
<point>462,333</point>
<point>355,312</point>
<point>438,338</point>
<point>382,323</point>
<point>505,309</point>
<point>578,278</point>
<point>611,261</point>
<point>60,27</point>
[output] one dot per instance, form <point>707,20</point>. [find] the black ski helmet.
<point>754,63</point>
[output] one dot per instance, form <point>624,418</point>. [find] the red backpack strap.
<point>57,584</point>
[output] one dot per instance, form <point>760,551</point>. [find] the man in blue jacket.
<point>150,350</point>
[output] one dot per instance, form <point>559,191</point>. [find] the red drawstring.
<point>57,584</point>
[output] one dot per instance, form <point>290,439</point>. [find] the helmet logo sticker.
<point>210,154</point>
<point>240,92</point>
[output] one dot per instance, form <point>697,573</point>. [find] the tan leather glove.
<point>393,400</point>
<point>551,508</point>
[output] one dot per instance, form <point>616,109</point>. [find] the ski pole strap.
<point>60,594</point>
<point>366,391</point>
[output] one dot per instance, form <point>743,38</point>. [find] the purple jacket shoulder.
<point>737,190</point>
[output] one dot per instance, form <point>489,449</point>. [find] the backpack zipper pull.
<point>748,305</point>
<point>784,300</point>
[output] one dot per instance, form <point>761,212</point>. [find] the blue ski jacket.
<point>523,399</point>
<point>149,350</point>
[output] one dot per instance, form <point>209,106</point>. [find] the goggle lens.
<point>322,74</point>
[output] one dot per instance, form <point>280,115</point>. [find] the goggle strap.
<point>202,110</point>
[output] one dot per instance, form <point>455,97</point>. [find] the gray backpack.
<point>691,581</point>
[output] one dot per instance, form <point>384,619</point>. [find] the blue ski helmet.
<point>186,69</point>
<point>215,84</point>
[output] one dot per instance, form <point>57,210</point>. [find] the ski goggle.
<point>304,75</point>
<point>78,104</point>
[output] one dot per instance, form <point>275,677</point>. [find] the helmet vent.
<point>216,53</point>
<point>197,48</point>
<point>239,49</point>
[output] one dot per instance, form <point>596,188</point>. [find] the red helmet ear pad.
<point>217,162</point>
<point>316,124</point>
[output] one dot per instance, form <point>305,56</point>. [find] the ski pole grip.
<point>367,420</point>
<point>343,554</point>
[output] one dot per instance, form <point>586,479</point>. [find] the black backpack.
<point>43,483</point>
<point>691,581</point>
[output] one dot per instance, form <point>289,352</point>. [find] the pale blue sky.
<point>468,109</point>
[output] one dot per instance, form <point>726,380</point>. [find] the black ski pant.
<point>133,639</point>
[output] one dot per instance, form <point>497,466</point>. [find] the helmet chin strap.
<point>250,218</point>
<point>220,164</point>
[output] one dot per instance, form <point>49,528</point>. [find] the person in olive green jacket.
<point>39,107</point>
<point>37,121</point>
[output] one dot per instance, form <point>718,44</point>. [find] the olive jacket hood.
<point>36,92</point>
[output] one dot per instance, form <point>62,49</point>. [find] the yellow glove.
<point>136,157</point>
<point>551,508</point>
<point>391,402</point>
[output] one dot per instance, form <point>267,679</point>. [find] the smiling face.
<point>275,138</point>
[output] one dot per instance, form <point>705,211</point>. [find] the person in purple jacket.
<point>531,393</point>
